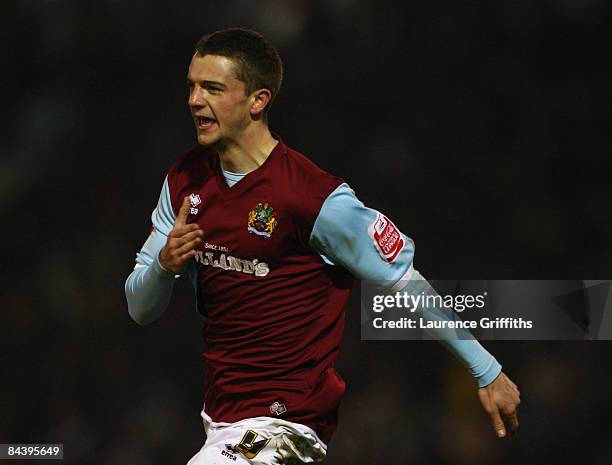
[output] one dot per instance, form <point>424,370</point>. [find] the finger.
<point>188,255</point>
<point>513,421</point>
<point>188,246</point>
<point>180,230</point>
<point>498,423</point>
<point>515,388</point>
<point>181,219</point>
<point>184,238</point>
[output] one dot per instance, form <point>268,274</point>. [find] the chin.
<point>207,139</point>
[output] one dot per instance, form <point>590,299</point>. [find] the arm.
<point>163,256</point>
<point>478,361</point>
<point>149,287</point>
<point>349,234</point>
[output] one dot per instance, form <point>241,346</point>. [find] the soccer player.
<point>271,243</point>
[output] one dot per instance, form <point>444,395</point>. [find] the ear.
<point>260,99</point>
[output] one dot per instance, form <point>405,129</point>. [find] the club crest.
<point>262,220</point>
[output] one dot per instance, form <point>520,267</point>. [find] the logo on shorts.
<point>387,238</point>
<point>248,447</point>
<point>229,452</point>
<point>262,220</point>
<point>278,408</point>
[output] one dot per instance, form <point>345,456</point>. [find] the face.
<point>218,102</point>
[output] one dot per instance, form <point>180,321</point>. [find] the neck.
<point>247,153</point>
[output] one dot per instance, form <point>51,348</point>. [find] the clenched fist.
<point>182,242</point>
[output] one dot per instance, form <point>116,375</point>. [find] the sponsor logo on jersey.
<point>278,408</point>
<point>230,263</point>
<point>262,220</point>
<point>387,238</point>
<point>248,446</point>
<point>195,200</point>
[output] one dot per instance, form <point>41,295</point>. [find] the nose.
<point>196,97</point>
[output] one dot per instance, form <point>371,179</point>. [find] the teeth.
<point>205,120</point>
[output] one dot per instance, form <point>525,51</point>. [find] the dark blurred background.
<point>481,128</point>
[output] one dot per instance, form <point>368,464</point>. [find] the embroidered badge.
<point>195,200</point>
<point>387,238</point>
<point>248,447</point>
<point>262,220</point>
<point>278,408</point>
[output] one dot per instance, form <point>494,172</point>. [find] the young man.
<point>271,244</point>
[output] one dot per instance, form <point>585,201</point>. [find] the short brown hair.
<point>258,64</point>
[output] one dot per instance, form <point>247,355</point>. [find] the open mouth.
<point>204,122</point>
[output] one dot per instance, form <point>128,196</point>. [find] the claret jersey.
<point>272,276</point>
<point>273,308</point>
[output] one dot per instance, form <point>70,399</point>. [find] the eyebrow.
<point>208,83</point>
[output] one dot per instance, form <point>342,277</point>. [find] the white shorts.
<point>258,441</point>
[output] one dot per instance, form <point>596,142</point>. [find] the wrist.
<point>161,269</point>
<point>490,375</point>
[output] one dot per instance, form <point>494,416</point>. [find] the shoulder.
<point>192,169</point>
<point>307,187</point>
<point>307,178</point>
<point>196,163</point>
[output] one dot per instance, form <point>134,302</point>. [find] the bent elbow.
<point>136,309</point>
<point>147,297</point>
<point>139,316</point>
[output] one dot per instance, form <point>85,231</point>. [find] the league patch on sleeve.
<point>387,238</point>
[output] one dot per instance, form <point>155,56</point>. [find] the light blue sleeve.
<point>349,234</point>
<point>479,362</point>
<point>342,236</point>
<point>149,287</point>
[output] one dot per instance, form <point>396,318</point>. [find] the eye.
<point>214,90</point>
